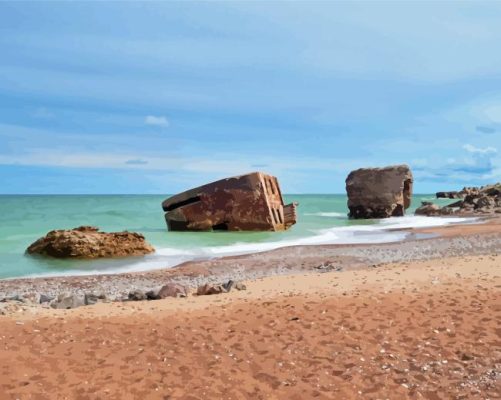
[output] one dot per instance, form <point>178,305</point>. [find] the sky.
<point>158,97</point>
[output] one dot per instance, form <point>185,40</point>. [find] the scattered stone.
<point>240,286</point>
<point>45,298</point>
<point>209,289</point>
<point>172,290</point>
<point>137,295</point>
<point>228,285</point>
<point>328,266</point>
<point>91,298</point>
<point>88,242</point>
<point>379,192</point>
<point>15,297</point>
<point>67,301</point>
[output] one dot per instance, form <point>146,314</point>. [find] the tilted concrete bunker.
<point>379,192</point>
<point>251,202</point>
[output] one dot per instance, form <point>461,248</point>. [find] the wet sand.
<point>426,329</point>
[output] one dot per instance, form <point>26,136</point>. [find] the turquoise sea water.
<point>23,219</point>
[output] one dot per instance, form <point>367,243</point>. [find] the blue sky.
<point>157,97</point>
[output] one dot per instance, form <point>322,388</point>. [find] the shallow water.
<point>321,220</point>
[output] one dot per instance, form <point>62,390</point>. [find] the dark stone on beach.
<point>379,192</point>
<point>328,266</point>
<point>45,298</point>
<point>91,298</point>
<point>228,285</point>
<point>88,242</point>
<point>152,295</point>
<point>137,295</point>
<point>209,289</point>
<point>172,290</point>
<point>67,301</point>
<point>15,297</point>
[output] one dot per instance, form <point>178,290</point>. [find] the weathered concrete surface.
<point>88,242</point>
<point>379,192</point>
<point>251,202</point>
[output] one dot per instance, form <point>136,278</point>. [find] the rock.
<point>430,209</point>
<point>88,242</point>
<point>67,301</point>
<point>137,295</point>
<point>45,298</point>
<point>152,294</point>
<point>209,289</point>
<point>172,290</point>
<point>15,297</point>
<point>449,195</point>
<point>484,200</point>
<point>240,286</point>
<point>379,192</point>
<point>228,285</point>
<point>91,298</point>
<point>251,202</point>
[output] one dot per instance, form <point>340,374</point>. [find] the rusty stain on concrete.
<point>251,202</point>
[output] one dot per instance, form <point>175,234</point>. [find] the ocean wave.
<point>327,214</point>
<point>385,231</point>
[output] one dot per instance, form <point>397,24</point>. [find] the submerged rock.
<point>251,202</point>
<point>88,242</point>
<point>379,192</point>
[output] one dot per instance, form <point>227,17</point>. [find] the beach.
<point>412,319</point>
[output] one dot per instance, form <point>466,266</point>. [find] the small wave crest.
<point>327,214</point>
<point>385,231</point>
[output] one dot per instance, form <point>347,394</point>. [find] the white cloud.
<point>153,120</point>
<point>479,150</point>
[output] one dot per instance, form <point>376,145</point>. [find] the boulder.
<point>88,242</point>
<point>209,289</point>
<point>172,290</point>
<point>251,202</point>
<point>45,298</point>
<point>137,295</point>
<point>67,301</point>
<point>428,209</point>
<point>379,192</point>
<point>92,298</point>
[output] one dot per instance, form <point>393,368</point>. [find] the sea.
<point>322,219</point>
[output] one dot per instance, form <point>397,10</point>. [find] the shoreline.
<point>457,239</point>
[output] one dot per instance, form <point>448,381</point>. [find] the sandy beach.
<point>425,326</point>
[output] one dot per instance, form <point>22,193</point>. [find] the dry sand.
<point>424,329</point>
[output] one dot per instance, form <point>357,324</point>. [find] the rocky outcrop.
<point>88,242</point>
<point>251,202</point>
<point>483,200</point>
<point>379,192</point>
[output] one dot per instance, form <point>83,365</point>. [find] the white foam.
<point>384,231</point>
<point>327,214</point>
